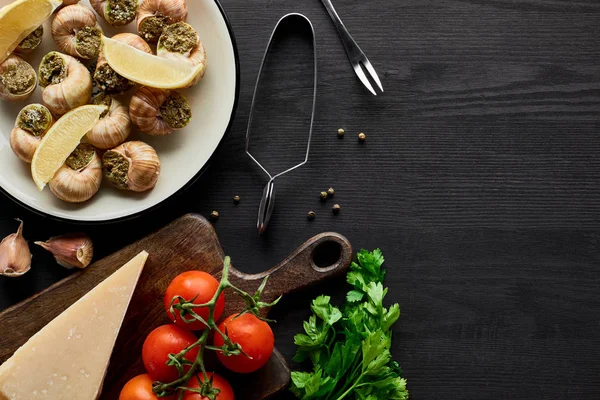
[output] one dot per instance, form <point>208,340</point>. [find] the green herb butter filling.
<point>32,40</point>
<point>18,78</point>
<point>53,69</point>
<point>179,38</point>
<point>35,119</point>
<point>81,157</point>
<point>102,99</point>
<point>116,168</point>
<point>176,111</point>
<point>88,41</point>
<point>110,82</point>
<point>152,27</point>
<point>120,12</point>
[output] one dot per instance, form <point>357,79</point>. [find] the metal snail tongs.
<point>267,203</point>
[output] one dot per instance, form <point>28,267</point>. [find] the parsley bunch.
<point>350,348</point>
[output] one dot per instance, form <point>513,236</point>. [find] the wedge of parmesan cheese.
<point>68,358</point>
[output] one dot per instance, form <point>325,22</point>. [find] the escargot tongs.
<point>267,202</point>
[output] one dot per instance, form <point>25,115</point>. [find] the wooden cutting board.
<point>189,243</point>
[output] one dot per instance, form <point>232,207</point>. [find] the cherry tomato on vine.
<point>165,340</point>
<point>218,382</point>
<point>255,337</point>
<point>190,285</point>
<point>140,388</point>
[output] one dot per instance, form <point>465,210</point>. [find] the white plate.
<point>183,154</point>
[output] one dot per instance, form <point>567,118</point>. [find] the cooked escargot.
<point>114,126</point>
<point>66,82</point>
<point>31,125</point>
<point>79,178</point>
<point>31,41</point>
<point>180,42</point>
<point>106,78</point>
<point>132,166</point>
<point>76,32</point>
<point>159,112</point>
<point>17,79</point>
<point>116,12</point>
<point>154,15</point>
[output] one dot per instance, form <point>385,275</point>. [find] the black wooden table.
<point>479,179</point>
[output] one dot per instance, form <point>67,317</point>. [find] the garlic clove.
<point>73,250</point>
<point>15,257</point>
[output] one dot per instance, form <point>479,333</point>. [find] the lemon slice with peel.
<point>19,18</point>
<point>147,69</point>
<point>61,140</point>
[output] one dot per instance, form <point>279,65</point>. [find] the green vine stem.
<point>186,308</point>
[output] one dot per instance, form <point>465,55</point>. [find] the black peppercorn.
<point>330,191</point>
<point>214,215</point>
<point>362,137</point>
<point>323,195</point>
<point>236,199</point>
<point>311,215</point>
<point>336,209</point>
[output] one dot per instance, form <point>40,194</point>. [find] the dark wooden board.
<point>480,181</point>
<point>189,243</point>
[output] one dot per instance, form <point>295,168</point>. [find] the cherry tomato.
<point>255,337</point>
<point>218,382</point>
<point>140,388</point>
<point>189,285</point>
<point>157,346</point>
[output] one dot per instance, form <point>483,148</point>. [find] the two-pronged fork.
<point>355,54</point>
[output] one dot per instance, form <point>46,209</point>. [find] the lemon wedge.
<point>60,141</point>
<point>19,18</point>
<point>147,69</point>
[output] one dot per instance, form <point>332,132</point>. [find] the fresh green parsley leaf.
<point>354,296</point>
<point>349,347</point>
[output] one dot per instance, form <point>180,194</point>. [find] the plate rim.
<point>189,183</point>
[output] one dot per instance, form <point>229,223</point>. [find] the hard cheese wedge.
<point>67,359</point>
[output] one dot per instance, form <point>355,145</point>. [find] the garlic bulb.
<point>154,15</point>
<point>66,83</point>
<point>116,12</point>
<point>17,79</point>
<point>114,126</point>
<point>159,112</point>
<point>31,41</point>
<point>76,32</point>
<point>180,42</point>
<point>15,257</point>
<point>79,178</point>
<point>132,166</point>
<point>106,78</point>
<point>73,250</point>
<point>31,125</point>
<point>69,2</point>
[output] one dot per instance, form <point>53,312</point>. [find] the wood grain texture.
<point>189,243</point>
<point>480,181</point>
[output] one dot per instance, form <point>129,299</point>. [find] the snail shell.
<point>116,12</point>
<point>80,176</point>
<point>114,127</point>
<point>66,83</point>
<point>76,32</point>
<point>17,79</point>
<point>132,166</point>
<point>106,78</point>
<point>31,41</point>
<point>31,125</point>
<point>154,15</point>
<point>180,42</point>
<point>159,112</point>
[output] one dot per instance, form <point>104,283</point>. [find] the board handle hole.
<point>327,254</point>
